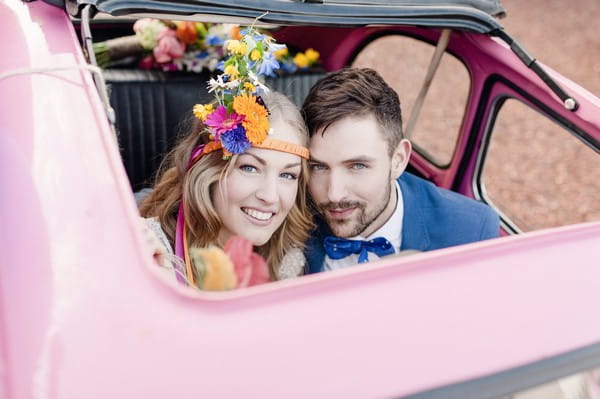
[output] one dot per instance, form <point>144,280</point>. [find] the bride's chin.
<point>258,242</point>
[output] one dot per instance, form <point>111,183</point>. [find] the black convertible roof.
<point>472,15</point>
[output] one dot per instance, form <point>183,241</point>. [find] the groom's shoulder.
<point>442,204</point>
<point>430,195</point>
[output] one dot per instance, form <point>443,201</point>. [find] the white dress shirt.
<point>391,231</point>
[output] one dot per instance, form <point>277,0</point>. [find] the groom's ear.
<point>400,158</point>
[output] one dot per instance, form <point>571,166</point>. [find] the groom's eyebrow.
<point>315,160</point>
<point>359,159</point>
<point>349,160</point>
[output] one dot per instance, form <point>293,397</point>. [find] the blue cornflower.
<point>214,40</point>
<point>252,33</point>
<point>235,140</point>
<point>201,55</point>
<point>267,65</point>
<point>288,67</point>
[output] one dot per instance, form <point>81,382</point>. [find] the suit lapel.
<point>414,228</point>
<point>315,250</point>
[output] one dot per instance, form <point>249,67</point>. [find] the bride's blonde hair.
<point>203,222</point>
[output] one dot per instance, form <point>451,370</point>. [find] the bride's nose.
<point>267,190</point>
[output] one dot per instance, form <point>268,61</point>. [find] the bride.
<point>240,171</point>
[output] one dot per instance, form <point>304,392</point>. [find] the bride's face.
<point>254,200</point>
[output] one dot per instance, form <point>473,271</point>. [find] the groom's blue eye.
<point>316,166</point>
<point>359,166</point>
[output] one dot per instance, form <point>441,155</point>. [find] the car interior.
<point>152,107</point>
<point>432,69</point>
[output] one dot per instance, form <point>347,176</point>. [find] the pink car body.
<point>85,313</point>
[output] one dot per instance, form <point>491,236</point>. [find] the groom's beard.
<point>359,220</point>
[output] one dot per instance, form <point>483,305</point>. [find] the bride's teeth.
<point>258,215</point>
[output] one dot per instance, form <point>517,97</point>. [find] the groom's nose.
<point>336,187</point>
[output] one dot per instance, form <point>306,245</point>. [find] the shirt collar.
<point>392,229</point>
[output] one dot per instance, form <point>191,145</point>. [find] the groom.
<point>369,206</point>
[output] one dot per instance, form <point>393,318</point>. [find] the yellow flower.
<point>256,121</point>
<point>201,111</point>
<point>214,268</point>
<point>301,60</point>
<point>236,47</point>
<point>249,86</point>
<point>255,55</point>
<point>231,70</point>
<point>279,54</point>
<point>312,55</point>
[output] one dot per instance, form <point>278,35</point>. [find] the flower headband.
<point>239,119</point>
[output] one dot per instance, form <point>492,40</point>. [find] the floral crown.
<point>239,119</point>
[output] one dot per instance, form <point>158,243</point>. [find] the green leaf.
<point>243,68</point>
<point>201,29</point>
<point>228,99</point>
<point>250,44</point>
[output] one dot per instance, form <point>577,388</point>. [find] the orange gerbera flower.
<point>186,32</point>
<point>215,269</point>
<point>235,32</point>
<point>256,121</point>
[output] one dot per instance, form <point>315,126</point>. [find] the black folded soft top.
<point>471,15</point>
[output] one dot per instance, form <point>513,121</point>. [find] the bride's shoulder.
<point>292,264</point>
<point>154,225</point>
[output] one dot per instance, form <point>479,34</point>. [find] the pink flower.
<point>169,47</point>
<point>220,122</point>
<point>250,268</point>
<point>169,67</point>
<point>147,62</point>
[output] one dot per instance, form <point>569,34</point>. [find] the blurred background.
<point>535,172</point>
<point>554,180</point>
<point>561,34</point>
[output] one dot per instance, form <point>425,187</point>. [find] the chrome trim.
<point>477,184</point>
<point>86,37</point>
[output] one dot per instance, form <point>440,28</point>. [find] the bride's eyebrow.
<point>258,159</point>
<point>263,162</point>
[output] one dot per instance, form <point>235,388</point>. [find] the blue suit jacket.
<point>433,218</point>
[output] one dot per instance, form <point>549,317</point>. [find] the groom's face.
<point>352,176</point>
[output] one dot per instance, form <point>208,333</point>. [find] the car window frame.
<point>493,102</point>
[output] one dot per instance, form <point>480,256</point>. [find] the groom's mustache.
<point>330,206</point>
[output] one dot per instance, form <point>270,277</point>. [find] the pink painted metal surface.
<point>64,189</point>
<point>85,314</point>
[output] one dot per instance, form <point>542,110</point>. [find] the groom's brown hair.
<point>354,92</point>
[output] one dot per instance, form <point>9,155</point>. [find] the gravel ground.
<point>561,175</point>
<point>535,172</point>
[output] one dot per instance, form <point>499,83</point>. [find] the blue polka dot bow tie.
<point>338,248</point>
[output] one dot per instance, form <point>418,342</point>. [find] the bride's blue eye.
<point>288,176</point>
<point>248,168</point>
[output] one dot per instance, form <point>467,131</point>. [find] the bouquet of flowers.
<point>234,266</point>
<point>169,45</point>
<point>187,46</point>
